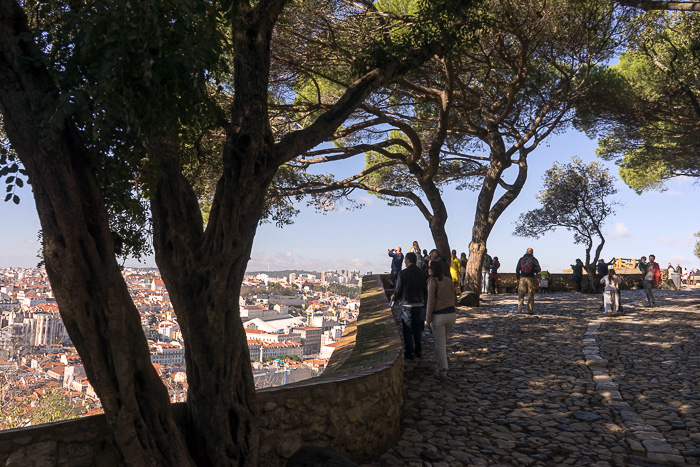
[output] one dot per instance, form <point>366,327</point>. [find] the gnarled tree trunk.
<point>486,215</point>
<point>95,304</point>
<point>437,219</point>
<point>202,269</point>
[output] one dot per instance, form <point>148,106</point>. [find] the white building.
<point>172,353</point>
<point>261,351</point>
<point>327,350</point>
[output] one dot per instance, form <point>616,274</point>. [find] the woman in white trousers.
<point>441,314</point>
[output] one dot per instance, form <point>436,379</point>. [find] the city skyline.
<point>662,223</point>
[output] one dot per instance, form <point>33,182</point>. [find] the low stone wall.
<point>354,407</point>
<point>563,283</point>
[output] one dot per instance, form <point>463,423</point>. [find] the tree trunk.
<point>438,219</point>
<point>204,271</point>
<point>95,304</point>
<point>486,215</point>
<point>593,284</point>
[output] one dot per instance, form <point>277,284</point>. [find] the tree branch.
<point>648,5</point>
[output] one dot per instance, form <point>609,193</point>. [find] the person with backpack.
<point>526,271</point>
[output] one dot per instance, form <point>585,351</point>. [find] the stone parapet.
<point>561,282</point>
<point>341,408</point>
<point>354,407</point>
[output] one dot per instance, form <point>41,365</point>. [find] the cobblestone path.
<point>563,387</point>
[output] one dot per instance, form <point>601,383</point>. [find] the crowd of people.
<point>425,298</point>
<point>456,267</point>
<point>426,293</point>
<point>426,290</point>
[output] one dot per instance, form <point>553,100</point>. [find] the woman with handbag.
<point>441,313</point>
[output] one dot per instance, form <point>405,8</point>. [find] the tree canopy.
<point>470,114</point>
<point>115,107</point>
<point>577,197</point>
<point>648,106</point>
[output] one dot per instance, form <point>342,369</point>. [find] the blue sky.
<point>653,223</point>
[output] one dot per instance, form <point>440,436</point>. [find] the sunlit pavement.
<point>566,386</point>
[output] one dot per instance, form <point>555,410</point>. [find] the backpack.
<point>526,265</point>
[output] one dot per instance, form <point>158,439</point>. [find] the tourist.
<point>642,265</point>
<point>577,273</point>
<point>485,271</point>
<point>410,292</point>
<point>493,275</point>
<point>396,262</point>
<point>463,265</point>
<point>601,270</point>
<point>441,313</point>
<point>455,272</point>
<point>651,277</point>
<point>420,261</point>
<point>526,270</point>
<point>436,256</point>
<point>611,292</point>
<point>426,259</point>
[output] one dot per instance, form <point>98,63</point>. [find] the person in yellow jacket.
<point>456,271</point>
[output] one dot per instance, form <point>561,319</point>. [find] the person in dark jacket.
<point>578,273</point>
<point>411,292</point>
<point>396,262</point>
<point>493,275</point>
<point>526,271</point>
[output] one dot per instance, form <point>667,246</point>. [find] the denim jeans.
<point>392,278</point>
<point>413,321</point>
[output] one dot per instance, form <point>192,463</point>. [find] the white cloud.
<point>672,193</point>
<point>357,263</point>
<point>621,231</point>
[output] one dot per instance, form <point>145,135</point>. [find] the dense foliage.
<point>648,106</point>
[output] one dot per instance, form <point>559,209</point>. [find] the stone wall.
<point>339,409</point>
<point>563,283</point>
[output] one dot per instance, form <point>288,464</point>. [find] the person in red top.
<point>651,277</point>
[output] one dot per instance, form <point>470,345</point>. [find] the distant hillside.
<point>286,273</point>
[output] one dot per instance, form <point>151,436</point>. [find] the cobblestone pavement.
<point>562,387</point>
